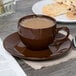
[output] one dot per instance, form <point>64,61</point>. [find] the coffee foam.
<point>37,23</point>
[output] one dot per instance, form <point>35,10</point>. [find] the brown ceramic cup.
<point>40,38</point>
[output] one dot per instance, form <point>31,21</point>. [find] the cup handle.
<point>60,41</point>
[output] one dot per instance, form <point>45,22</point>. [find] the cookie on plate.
<point>71,15</point>
<point>67,2</point>
<point>55,9</point>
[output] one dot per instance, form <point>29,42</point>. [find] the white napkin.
<point>38,65</point>
<point>8,65</point>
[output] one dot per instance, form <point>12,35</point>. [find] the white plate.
<point>37,9</point>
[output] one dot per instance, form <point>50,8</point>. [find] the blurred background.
<point>7,7</point>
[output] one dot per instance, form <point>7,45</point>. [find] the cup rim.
<point>38,15</point>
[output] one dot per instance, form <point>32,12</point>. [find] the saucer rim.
<point>38,59</point>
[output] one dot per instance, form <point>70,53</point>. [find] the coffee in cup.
<point>37,32</point>
<point>37,23</point>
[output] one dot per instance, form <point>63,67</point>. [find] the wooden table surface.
<point>8,25</point>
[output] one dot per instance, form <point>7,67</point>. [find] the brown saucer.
<point>14,46</point>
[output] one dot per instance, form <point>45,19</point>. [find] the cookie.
<point>71,15</point>
<point>55,9</point>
